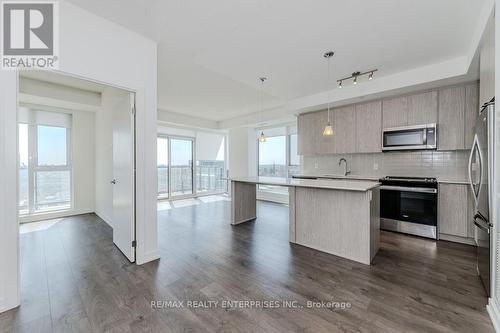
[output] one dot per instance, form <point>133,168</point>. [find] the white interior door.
<point>124,175</point>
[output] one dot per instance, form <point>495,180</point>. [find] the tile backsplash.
<point>444,165</point>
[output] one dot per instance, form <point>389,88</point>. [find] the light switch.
<point>375,166</point>
<point>316,165</point>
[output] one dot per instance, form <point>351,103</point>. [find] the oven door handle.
<point>408,189</point>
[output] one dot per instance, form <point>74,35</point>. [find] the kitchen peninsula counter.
<point>337,216</point>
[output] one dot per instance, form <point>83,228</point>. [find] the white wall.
<point>242,152</point>
<point>9,229</point>
<point>92,48</point>
<point>83,159</point>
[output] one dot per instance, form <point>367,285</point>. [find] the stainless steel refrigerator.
<point>480,177</point>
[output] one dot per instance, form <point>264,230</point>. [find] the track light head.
<point>328,54</point>
<point>340,84</point>
<point>370,77</point>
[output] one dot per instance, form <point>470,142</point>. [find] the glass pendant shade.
<point>328,131</point>
<point>262,137</point>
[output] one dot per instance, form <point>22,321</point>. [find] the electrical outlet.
<point>375,166</point>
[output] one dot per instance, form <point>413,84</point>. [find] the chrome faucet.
<point>346,172</point>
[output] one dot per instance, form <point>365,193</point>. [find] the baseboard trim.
<point>281,198</point>
<point>148,257</point>
<point>494,312</point>
<point>54,215</point>
<point>6,307</point>
<point>457,239</point>
<point>105,218</point>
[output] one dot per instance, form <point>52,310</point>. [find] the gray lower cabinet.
<point>455,211</point>
<point>369,127</point>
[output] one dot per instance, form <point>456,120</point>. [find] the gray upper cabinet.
<point>305,126</point>
<point>395,112</point>
<point>369,127</point>
<point>310,134</point>
<point>471,112</point>
<point>358,127</point>
<point>451,123</point>
<point>345,130</point>
<point>326,143</point>
<point>423,108</point>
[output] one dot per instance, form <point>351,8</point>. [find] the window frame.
<point>169,139</point>
<point>288,132</point>
<point>34,168</point>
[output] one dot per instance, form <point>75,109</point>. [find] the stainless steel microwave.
<point>418,137</point>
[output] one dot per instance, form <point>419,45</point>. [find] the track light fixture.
<point>354,76</point>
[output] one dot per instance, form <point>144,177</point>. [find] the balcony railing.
<point>209,179</point>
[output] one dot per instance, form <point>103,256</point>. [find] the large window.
<point>210,163</point>
<point>272,157</point>
<point>162,164</point>
<point>277,156</point>
<point>174,166</point>
<point>44,162</point>
<point>178,176</point>
<point>181,167</point>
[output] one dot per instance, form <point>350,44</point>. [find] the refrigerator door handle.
<point>480,226</point>
<point>471,182</point>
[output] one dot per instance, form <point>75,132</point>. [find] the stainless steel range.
<point>409,205</point>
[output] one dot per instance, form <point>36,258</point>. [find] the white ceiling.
<point>211,53</point>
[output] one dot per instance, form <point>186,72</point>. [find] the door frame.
<point>132,92</point>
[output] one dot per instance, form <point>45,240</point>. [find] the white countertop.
<point>331,176</point>
<point>375,178</point>
<point>332,184</point>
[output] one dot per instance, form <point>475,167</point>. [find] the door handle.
<point>482,227</point>
<point>113,181</point>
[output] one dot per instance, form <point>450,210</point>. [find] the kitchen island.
<point>337,216</point>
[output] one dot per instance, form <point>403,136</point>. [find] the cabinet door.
<point>487,63</point>
<point>310,128</point>
<point>326,144</point>
<point>345,130</point>
<point>395,112</point>
<point>452,210</point>
<point>423,108</point>
<point>471,112</point>
<point>369,127</point>
<point>306,138</point>
<point>451,121</point>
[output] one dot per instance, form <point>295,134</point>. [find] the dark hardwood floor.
<point>74,279</point>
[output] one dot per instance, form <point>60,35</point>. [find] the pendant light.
<point>262,137</point>
<point>328,131</point>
